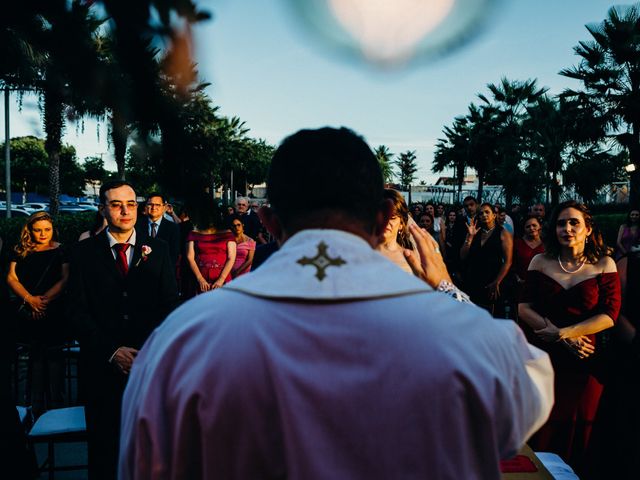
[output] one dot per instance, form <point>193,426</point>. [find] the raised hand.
<point>427,263</point>
<point>472,228</point>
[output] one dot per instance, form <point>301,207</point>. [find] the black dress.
<point>30,270</point>
<point>38,272</point>
<point>482,266</point>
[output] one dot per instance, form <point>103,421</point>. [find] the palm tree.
<point>484,131</point>
<point>68,76</point>
<point>453,151</point>
<point>407,169</point>
<point>384,156</point>
<point>509,102</point>
<point>609,70</point>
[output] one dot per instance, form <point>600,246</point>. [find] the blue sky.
<point>267,70</point>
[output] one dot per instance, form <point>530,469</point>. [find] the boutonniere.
<point>146,251</point>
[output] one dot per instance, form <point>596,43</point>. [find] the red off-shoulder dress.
<point>577,391</point>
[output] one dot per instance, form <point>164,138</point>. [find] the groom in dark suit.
<point>121,288</point>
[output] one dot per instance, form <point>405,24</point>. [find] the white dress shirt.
<point>131,241</point>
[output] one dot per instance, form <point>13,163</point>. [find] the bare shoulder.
<point>607,265</point>
<point>539,262</point>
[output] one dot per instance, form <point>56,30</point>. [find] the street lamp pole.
<point>7,151</point>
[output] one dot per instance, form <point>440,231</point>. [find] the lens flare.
<point>390,33</point>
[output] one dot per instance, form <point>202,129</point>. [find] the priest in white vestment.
<point>330,362</point>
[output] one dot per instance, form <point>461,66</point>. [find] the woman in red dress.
<point>525,248</point>
<point>572,292</point>
<point>211,248</point>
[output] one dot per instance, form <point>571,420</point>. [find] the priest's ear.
<point>271,222</point>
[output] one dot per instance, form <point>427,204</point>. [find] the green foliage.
<point>407,168</point>
<point>608,69</point>
<point>93,170</point>
<point>592,170</point>
<point>69,228</point>
<point>527,141</point>
<point>385,156</point>
<point>30,167</point>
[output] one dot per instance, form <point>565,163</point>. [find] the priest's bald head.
<point>325,178</point>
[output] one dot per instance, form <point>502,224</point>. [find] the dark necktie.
<point>121,258</point>
<point>154,229</point>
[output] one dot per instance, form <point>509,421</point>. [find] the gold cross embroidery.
<point>321,261</point>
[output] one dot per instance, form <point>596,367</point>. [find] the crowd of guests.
<point>559,280</point>
<point>555,276</point>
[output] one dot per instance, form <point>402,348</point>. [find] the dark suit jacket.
<point>107,310</point>
<point>167,231</point>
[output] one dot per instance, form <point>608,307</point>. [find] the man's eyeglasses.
<point>117,205</point>
<point>155,205</point>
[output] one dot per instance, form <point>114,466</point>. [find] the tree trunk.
<point>480,184</point>
<point>53,126</point>
<point>555,194</point>
<point>460,178</point>
<point>634,177</point>
<point>119,137</point>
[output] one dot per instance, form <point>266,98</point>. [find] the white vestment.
<point>330,362</point>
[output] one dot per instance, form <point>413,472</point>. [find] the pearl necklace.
<point>584,260</point>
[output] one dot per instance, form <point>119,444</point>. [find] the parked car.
<point>15,212</point>
<point>34,206</point>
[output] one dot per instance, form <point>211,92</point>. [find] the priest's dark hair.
<point>318,174</point>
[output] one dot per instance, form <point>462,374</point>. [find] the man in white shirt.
<point>330,361</point>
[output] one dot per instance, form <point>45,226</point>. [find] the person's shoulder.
<point>170,225</point>
<point>607,265</point>
<point>539,261</point>
<point>155,243</point>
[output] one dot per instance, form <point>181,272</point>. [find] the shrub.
<point>69,228</point>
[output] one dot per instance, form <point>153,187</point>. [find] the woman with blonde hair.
<point>38,273</point>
